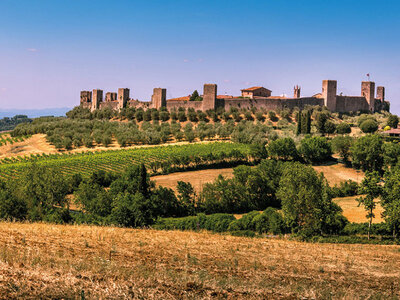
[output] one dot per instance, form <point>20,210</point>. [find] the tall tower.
<point>380,93</point>
<point>86,97</point>
<point>368,91</point>
<point>123,96</point>
<point>159,98</point>
<point>209,96</point>
<point>329,90</point>
<point>296,92</point>
<point>97,97</point>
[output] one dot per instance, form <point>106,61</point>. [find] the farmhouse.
<point>258,97</point>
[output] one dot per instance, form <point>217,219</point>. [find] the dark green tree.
<point>393,121</point>
<point>391,199</point>
<point>366,153</point>
<point>315,149</point>
<point>369,126</point>
<point>370,186</point>
<point>341,145</point>
<point>299,120</point>
<point>282,148</point>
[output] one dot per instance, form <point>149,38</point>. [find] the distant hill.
<point>34,113</point>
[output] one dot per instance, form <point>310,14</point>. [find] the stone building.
<point>258,97</point>
<point>256,91</point>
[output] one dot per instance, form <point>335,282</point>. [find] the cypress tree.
<point>298,122</point>
<point>143,183</point>
<point>308,128</point>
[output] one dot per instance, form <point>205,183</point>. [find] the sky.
<point>51,50</point>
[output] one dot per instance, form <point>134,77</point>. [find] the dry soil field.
<point>58,261</point>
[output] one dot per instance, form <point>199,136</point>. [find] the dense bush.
<point>315,149</point>
<point>369,126</point>
<point>367,154</point>
<point>249,189</point>
<point>393,121</point>
<point>214,222</point>
<point>341,145</point>
<point>345,189</point>
<point>10,123</point>
<point>343,128</point>
<point>282,148</point>
<point>306,202</point>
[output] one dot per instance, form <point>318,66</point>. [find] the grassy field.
<point>58,261</point>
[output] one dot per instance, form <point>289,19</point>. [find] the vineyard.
<point>161,159</point>
<point>5,139</point>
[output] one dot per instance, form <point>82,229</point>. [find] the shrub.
<point>393,121</point>
<point>343,128</point>
<point>260,116</point>
<point>369,126</point>
<point>272,116</point>
<point>330,127</point>
<point>181,116</point>
<point>282,148</point>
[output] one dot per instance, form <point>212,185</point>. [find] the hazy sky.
<point>50,50</point>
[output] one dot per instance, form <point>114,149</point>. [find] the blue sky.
<point>50,50</point>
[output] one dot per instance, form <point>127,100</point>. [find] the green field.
<point>155,158</point>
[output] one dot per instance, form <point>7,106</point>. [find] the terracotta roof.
<point>224,96</point>
<point>319,95</point>
<point>186,98</point>
<point>393,130</point>
<point>276,97</point>
<point>254,88</point>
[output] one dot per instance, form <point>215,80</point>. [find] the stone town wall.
<point>138,104</point>
<point>109,104</point>
<point>351,103</point>
<point>269,103</point>
<point>175,104</point>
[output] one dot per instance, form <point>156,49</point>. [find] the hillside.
<point>54,261</point>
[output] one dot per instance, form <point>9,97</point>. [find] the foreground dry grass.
<point>54,261</point>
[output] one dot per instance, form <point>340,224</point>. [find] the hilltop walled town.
<point>259,97</point>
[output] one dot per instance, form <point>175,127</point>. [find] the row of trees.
<point>133,200</point>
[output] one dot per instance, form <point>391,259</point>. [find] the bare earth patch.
<point>336,173</point>
<point>355,213</point>
<point>63,261</point>
<point>196,178</point>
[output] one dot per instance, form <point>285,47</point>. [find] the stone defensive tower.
<point>111,96</point>
<point>123,97</point>
<point>380,93</point>
<point>86,97</point>
<point>368,91</point>
<point>296,92</point>
<point>329,90</point>
<point>97,97</point>
<point>159,98</point>
<point>209,96</point>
